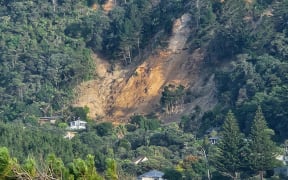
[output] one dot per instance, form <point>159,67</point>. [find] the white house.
<point>77,125</point>
<point>152,175</point>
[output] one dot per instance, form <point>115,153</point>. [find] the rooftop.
<point>153,174</point>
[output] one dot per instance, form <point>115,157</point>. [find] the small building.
<point>139,160</point>
<point>213,139</point>
<point>48,120</point>
<point>77,125</point>
<point>151,175</point>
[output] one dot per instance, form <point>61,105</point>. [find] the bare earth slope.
<point>118,95</point>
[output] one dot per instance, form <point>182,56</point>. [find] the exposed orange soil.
<point>108,6</point>
<point>142,92</point>
<point>118,95</point>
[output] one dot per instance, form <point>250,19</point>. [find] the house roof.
<point>139,159</point>
<point>152,174</point>
<point>208,131</point>
<point>79,121</point>
<point>214,137</point>
<point>49,117</point>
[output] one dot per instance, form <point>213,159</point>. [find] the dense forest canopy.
<point>46,47</point>
<point>45,51</point>
<point>39,63</point>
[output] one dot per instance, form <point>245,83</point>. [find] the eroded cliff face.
<point>119,94</point>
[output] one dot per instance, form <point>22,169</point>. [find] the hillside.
<point>137,89</point>
<point>170,58</point>
<point>192,86</point>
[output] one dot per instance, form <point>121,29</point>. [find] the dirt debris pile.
<point>117,95</point>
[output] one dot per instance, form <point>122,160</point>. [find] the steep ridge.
<point>119,94</point>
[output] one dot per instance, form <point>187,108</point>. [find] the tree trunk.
<point>236,176</point>
<point>198,14</point>
<point>129,55</point>
<point>138,45</point>
<point>261,174</point>
<point>125,58</point>
<point>208,174</point>
<point>54,5</point>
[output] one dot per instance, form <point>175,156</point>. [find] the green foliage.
<point>255,80</point>
<point>124,144</point>
<point>81,112</point>
<point>93,2</point>
<point>63,125</point>
<point>229,158</point>
<point>100,161</point>
<point>232,34</point>
<point>198,169</point>
<point>211,119</point>
<point>192,167</point>
<point>192,122</point>
<point>5,162</point>
<point>130,127</point>
<point>172,97</point>
<point>253,40</point>
<point>104,129</point>
<point>78,168</point>
<point>56,166</point>
<point>145,123</point>
<point>92,173</point>
<point>39,141</point>
<point>39,63</point>
<point>171,137</point>
<point>262,148</point>
<point>45,52</point>
<point>30,167</point>
<point>111,170</point>
<point>70,162</point>
<point>128,27</point>
<point>172,174</point>
<point>136,138</point>
<point>227,43</point>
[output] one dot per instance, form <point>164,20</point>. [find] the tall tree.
<point>111,169</point>
<point>228,160</point>
<point>92,173</point>
<point>5,167</point>
<point>262,148</point>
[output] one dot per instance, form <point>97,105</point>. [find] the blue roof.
<point>214,137</point>
<point>153,174</point>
